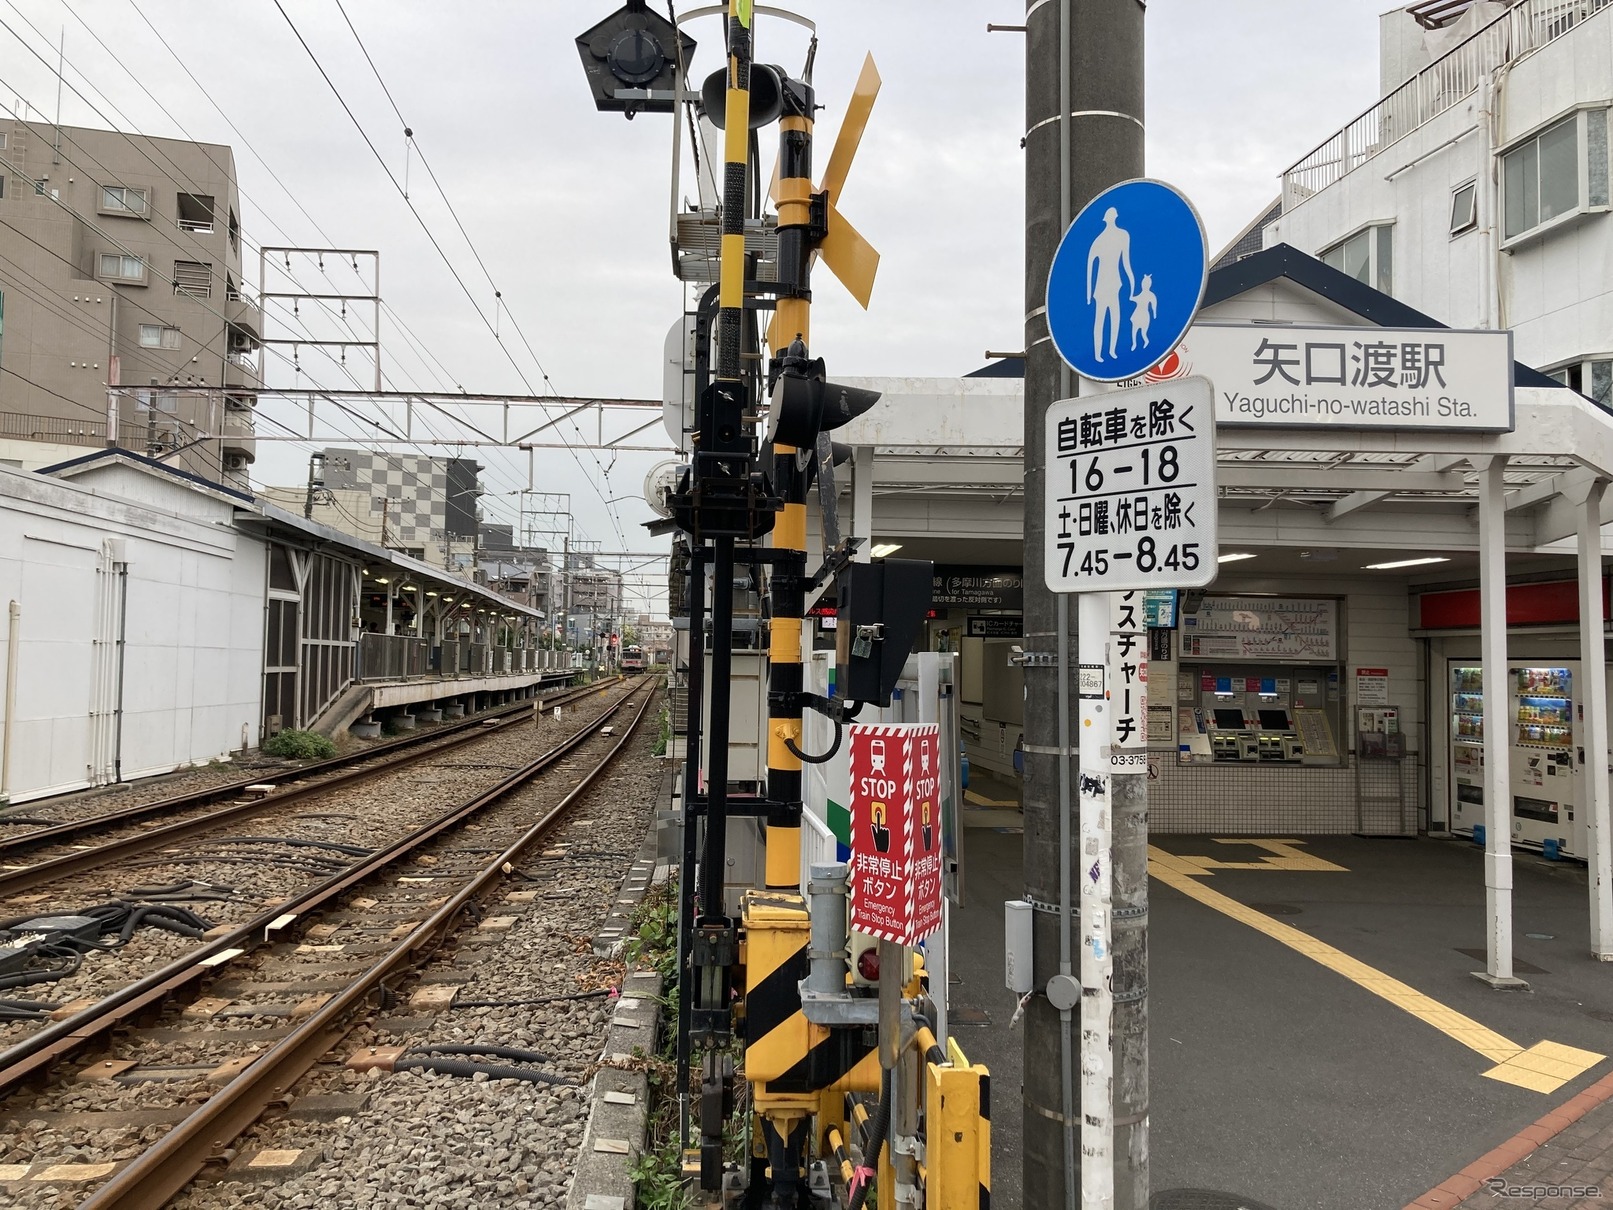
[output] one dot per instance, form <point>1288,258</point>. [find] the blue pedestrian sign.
<point>1126,280</point>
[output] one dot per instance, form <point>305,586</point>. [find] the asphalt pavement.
<point>1318,1041</point>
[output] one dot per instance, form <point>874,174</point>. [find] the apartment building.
<point>1476,186</point>
<point>123,320</point>
<point>521,572</point>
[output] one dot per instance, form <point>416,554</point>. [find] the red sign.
<point>895,830</point>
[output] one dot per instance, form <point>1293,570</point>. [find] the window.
<point>155,336</point>
<point>121,199</point>
<point>39,186</point>
<point>1367,256</point>
<point>235,229</point>
<point>1560,171</point>
<point>2,186</point>
<point>232,292</point>
<point>1464,208</point>
<point>194,278</point>
<point>116,267</point>
<point>3,139</point>
<point>196,212</point>
<point>1592,377</point>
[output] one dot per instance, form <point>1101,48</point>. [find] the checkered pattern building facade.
<point>424,499</point>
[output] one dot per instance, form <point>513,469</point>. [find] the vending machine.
<point>1539,719</point>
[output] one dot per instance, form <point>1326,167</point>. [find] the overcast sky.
<point>569,207</point>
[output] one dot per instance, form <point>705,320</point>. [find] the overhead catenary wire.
<point>437,245</point>
<point>183,181</point>
<point>189,185</point>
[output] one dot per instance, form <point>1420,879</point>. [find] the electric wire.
<point>436,244</point>
<point>192,188</point>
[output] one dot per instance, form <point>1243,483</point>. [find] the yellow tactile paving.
<point>980,800</point>
<point>1543,1067</point>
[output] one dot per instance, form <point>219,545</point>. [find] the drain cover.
<point>1202,1199</point>
<point>1278,909</point>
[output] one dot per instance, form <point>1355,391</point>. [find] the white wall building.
<point>1476,188</point>
<point>139,631</point>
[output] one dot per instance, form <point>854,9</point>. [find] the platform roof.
<point>263,515</point>
<point>1323,488</point>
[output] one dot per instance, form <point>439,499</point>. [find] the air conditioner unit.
<point>236,462</point>
<point>241,342</point>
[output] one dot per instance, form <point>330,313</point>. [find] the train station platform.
<point>1317,1038</point>
<point>432,697</point>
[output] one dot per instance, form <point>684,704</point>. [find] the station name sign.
<point>1352,377</point>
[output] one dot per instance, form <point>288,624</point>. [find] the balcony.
<point>241,372</point>
<point>61,430</point>
<point>1526,27</point>
<point>244,313</point>
<point>238,435</point>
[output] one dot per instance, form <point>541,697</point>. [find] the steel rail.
<point>36,1053</point>
<point>16,881</point>
<point>163,1170</point>
<point>74,828</point>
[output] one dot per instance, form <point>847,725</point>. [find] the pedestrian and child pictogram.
<point>1126,280</point>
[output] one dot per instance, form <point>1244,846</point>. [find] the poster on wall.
<point>1262,628</point>
<point>895,830</point>
<point>1371,686</point>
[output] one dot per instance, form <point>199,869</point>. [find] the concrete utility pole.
<point>1084,132</point>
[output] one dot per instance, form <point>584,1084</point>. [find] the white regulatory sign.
<point>1131,489</point>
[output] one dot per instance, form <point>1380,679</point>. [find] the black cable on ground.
<point>513,1053</point>
<point>493,1071</point>
<point>318,865</point>
<point>159,915</point>
<point>351,850</point>
<point>44,823</point>
<point>27,1010</point>
<point>73,959</point>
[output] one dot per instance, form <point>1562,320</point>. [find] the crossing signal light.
<point>805,404</point>
<point>881,606</point>
<point>766,96</point>
<point>631,60</point>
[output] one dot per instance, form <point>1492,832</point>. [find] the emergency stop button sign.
<point>895,830</point>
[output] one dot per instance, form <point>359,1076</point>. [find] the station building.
<point>1326,682</point>
<point>157,620</point>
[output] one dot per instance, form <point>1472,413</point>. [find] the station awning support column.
<point>1594,728</point>
<point>862,501</point>
<point>1497,742</point>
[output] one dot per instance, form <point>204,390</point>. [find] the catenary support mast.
<point>1083,72</point>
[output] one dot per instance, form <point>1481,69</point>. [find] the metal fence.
<point>401,657</point>
<point>1521,29</point>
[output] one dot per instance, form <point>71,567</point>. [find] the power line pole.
<point>316,480</point>
<point>1083,117</point>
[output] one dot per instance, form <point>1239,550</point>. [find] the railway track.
<point>501,824</point>
<point>207,863</point>
<point>394,753</point>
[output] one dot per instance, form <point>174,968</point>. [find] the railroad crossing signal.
<point>1130,494</point>
<point>849,256</point>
